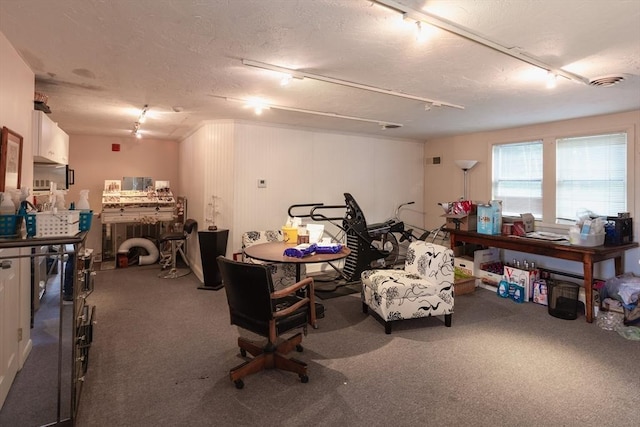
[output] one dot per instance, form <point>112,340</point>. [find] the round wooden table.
<point>274,252</point>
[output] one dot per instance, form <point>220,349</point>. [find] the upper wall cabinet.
<point>50,143</point>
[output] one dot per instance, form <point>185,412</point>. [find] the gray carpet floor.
<point>162,352</point>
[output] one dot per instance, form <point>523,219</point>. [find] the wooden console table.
<point>563,250</point>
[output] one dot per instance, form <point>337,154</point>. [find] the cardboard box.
<point>466,249</point>
<point>524,278</point>
<point>489,221</point>
<point>540,292</point>
<point>528,221</point>
<point>464,286</point>
<point>487,266</point>
<point>463,266</point>
<point>464,222</point>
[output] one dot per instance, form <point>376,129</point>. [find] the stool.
<point>176,241</point>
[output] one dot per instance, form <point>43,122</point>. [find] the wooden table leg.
<point>618,265</point>
<point>588,287</point>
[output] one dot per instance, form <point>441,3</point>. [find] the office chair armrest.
<point>309,299</point>
<point>280,293</point>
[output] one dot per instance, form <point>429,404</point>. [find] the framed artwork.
<point>10,160</point>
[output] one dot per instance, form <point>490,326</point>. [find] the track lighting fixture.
<point>141,119</point>
<point>444,24</point>
<point>297,74</point>
<point>260,106</point>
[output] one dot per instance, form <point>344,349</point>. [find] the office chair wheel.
<point>239,384</point>
<point>304,379</point>
<point>299,348</point>
<point>243,352</point>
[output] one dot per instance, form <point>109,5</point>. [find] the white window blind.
<point>591,175</point>
<point>517,177</point>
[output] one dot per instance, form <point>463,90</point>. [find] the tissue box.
<point>290,234</point>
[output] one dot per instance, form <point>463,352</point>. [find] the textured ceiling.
<point>100,61</point>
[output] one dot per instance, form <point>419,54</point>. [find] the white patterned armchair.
<point>424,288</point>
<point>283,274</point>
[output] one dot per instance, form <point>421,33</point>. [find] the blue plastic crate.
<point>10,225</point>
<point>85,220</point>
<point>30,223</point>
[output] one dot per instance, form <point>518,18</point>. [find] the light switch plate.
<point>262,183</point>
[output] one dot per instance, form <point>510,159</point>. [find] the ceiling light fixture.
<point>452,27</point>
<point>265,106</point>
<point>302,75</point>
<point>143,114</point>
<point>136,130</point>
<point>141,119</point>
<point>420,32</point>
<point>552,80</point>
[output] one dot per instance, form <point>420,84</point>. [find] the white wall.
<point>299,166</point>
<point>16,104</point>
<point>94,161</point>
<point>477,146</point>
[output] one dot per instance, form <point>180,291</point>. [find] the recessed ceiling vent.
<point>606,81</point>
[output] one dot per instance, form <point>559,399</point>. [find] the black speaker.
<point>212,244</point>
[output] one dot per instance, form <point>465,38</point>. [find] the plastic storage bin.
<point>62,223</point>
<point>10,225</point>
<point>563,300</point>
<point>588,240</point>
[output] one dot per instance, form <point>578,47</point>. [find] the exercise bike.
<point>397,241</point>
<point>371,245</point>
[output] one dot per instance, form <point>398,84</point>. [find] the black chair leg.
<point>447,320</point>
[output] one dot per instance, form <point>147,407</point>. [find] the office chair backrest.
<point>248,288</point>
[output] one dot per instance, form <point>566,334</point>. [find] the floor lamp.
<point>465,165</point>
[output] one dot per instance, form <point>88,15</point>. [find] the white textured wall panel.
<point>206,170</point>
<point>307,166</point>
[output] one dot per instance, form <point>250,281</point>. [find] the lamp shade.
<point>466,164</point>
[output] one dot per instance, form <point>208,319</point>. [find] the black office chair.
<point>172,244</point>
<point>255,306</point>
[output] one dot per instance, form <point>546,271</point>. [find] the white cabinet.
<point>9,321</point>
<point>50,143</point>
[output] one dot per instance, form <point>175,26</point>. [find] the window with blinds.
<point>591,175</point>
<point>517,177</point>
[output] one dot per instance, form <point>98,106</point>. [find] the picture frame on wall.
<point>10,160</point>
